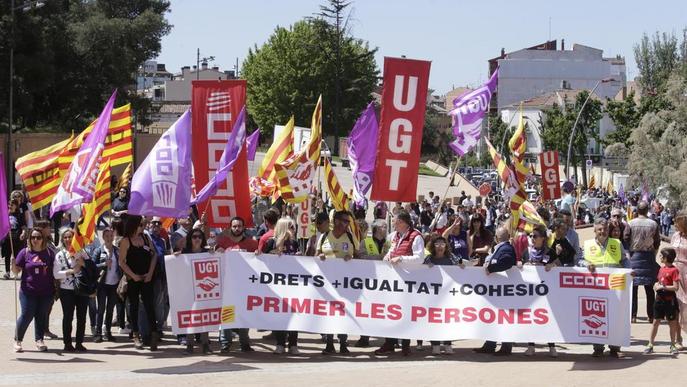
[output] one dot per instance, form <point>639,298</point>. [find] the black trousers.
<point>405,343</point>
<point>343,339</point>
<point>145,291</point>
<point>107,299</point>
<point>650,298</point>
<point>281,338</point>
<point>70,302</point>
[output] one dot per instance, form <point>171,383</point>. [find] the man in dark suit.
<point>502,259</point>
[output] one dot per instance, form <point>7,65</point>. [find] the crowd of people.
<point>131,293</point>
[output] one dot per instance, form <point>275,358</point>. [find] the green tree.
<point>625,115</point>
<point>286,75</point>
<point>657,58</point>
<point>557,124</point>
<point>659,153</point>
<point>70,55</point>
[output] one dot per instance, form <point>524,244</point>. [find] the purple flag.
<point>362,152</point>
<point>161,186</point>
<point>236,141</point>
<point>4,210</point>
<point>252,144</point>
<point>79,183</point>
<point>468,113</point>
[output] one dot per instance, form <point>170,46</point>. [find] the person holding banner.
<point>480,240</point>
<point>502,259</point>
<point>321,226</point>
<point>441,254</point>
<point>407,245</point>
<point>339,243</point>
<point>603,251</point>
<point>376,245</point>
<point>538,254</point>
<point>35,263</point>
<point>196,244</point>
<point>457,239</point>
<point>234,238</point>
<point>137,258</point>
<point>270,219</point>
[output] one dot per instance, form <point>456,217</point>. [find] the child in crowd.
<point>665,306</point>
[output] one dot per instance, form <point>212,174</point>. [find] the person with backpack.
<point>339,243</point>
<point>67,268</point>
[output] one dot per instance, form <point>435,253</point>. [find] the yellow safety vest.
<point>371,247</point>
<point>593,253</point>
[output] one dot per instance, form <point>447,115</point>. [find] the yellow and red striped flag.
<point>40,173</point>
<point>85,229</point>
<point>280,150</point>
<point>518,142</point>
<point>592,182</point>
<point>118,144</point>
<point>339,198</point>
<point>295,174</point>
<point>125,180</point>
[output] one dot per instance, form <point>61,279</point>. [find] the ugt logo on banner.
<point>593,317</point>
<point>551,185</point>
<point>400,129</point>
<point>207,281</point>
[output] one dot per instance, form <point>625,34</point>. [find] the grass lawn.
<point>426,171</point>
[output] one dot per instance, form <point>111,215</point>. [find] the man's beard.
<point>235,234</point>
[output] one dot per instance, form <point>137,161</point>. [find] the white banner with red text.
<point>359,297</point>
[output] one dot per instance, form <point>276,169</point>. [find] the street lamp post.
<point>579,114</point>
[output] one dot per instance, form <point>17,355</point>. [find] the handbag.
<point>122,288</point>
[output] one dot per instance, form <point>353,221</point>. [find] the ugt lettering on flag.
<point>467,115</point>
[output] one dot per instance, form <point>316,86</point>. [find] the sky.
<point>457,36</point>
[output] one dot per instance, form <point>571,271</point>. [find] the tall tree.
<point>286,75</point>
<point>657,58</point>
<point>625,115</point>
<point>70,55</point>
<point>557,125</point>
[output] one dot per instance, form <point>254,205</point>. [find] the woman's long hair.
<point>282,232</point>
<point>131,225</point>
<point>189,239</point>
<point>62,232</point>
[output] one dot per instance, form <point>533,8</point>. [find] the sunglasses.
<point>197,236</point>
<point>441,243</point>
<point>37,237</point>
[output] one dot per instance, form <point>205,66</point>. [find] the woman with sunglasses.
<point>441,254</point>
<point>284,242</point>
<point>66,267</point>
<point>196,243</point>
<point>137,259</point>
<point>35,263</point>
<point>537,254</point>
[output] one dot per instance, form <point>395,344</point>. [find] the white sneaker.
<point>279,350</point>
<point>553,352</point>
<point>294,350</point>
<point>17,347</point>
<point>436,350</point>
<point>40,345</point>
<point>448,349</point>
<point>530,350</point>
<point>124,331</point>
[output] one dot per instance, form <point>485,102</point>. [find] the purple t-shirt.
<point>36,272</point>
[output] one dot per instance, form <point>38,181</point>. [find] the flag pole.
<point>451,177</point>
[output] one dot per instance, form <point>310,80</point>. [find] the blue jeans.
<point>32,308</point>
<point>225,338</point>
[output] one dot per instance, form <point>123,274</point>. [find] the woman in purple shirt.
<point>35,263</point>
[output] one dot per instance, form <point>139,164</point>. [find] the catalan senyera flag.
<point>40,173</point>
<point>609,186</point>
<point>90,212</point>
<point>280,150</point>
<point>118,144</point>
<point>338,196</point>
<point>125,180</point>
<point>295,174</point>
<point>592,182</point>
<point>518,142</point>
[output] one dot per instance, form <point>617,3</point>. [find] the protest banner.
<point>240,290</point>
<point>400,129</point>
<point>215,106</point>
<point>551,186</point>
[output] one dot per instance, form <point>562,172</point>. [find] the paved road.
<point>119,362</point>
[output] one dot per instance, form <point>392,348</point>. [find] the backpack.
<point>86,280</point>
